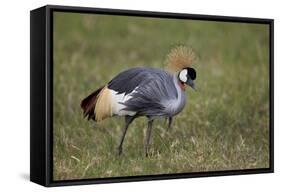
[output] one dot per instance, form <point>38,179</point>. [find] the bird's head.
<point>187,76</point>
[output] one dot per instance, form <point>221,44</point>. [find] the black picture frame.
<point>41,99</point>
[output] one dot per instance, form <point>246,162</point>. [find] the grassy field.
<point>224,126</point>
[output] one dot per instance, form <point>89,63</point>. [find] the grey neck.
<point>181,99</point>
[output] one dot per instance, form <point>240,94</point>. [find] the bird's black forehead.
<point>191,72</point>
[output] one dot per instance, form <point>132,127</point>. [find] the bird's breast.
<point>174,106</point>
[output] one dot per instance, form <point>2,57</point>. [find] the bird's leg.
<point>170,122</point>
<point>148,136</point>
<point>128,121</point>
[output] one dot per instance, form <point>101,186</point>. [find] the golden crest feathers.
<point>180,57</point>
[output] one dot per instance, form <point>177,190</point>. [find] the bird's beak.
<point>190,82</point>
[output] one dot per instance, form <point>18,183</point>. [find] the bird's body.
<point>148,91</point>
<point>141,91</point>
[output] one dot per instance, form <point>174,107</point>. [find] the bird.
<point>145,91</point>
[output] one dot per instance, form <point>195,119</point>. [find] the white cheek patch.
<point>183,75</point>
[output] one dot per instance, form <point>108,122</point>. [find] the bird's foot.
<point>119,151</point>
<point>148,153</point>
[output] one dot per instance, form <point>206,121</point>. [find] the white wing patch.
<point>117,99</point>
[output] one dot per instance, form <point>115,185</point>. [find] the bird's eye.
<point>192,73</point>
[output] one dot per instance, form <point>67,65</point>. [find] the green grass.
<point>224,126</point>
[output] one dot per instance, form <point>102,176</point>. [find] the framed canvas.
<point>122,95</point>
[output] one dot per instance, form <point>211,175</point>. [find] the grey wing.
<point>149,99</point>
<point>128,80</point>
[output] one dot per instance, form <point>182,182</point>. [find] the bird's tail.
<point>98,105</point>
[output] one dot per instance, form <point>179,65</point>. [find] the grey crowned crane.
<point>144,91</point>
